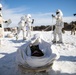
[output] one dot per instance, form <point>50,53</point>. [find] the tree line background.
<point>67,27</point>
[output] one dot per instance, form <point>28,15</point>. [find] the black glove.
<point>25,22</point>
<point>0,9</point>
<point>53,15</point>
<point>32,21</point>
<point>6,21</point>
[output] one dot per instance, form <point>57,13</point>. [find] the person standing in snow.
<point>22,26</point>
<point>58,26</point>
<point>73,28</point>
<point>1,25</point>
<point>29,21</point>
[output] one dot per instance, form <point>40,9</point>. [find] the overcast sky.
<point>40,10</point>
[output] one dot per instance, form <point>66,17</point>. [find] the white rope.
<point>49,26</point>
<point>52,29</point>
<point>46,28</point>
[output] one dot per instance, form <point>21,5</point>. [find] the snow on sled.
<point>35,55</point>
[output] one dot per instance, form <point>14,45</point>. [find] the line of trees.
<point>67,27</point>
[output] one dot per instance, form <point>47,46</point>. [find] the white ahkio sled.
<point>36,55</point>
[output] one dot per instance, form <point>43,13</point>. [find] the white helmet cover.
<point>60,12</point>
<point>28,16</point>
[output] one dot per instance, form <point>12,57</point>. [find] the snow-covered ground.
<point>65,65</point>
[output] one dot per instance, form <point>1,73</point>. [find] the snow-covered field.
<point>65,65</point>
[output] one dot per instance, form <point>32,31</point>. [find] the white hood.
<point>60,12</point>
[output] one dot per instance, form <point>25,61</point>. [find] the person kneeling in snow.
<point>58,26</point>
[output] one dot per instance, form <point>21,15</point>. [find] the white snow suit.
<point>1,28</point>
<point>22,26</point>
<point>28,21</point>
<point>58,26</point>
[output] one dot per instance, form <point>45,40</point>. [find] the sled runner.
<point>25,69</point>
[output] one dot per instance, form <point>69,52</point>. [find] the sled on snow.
<point>35,55</point>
